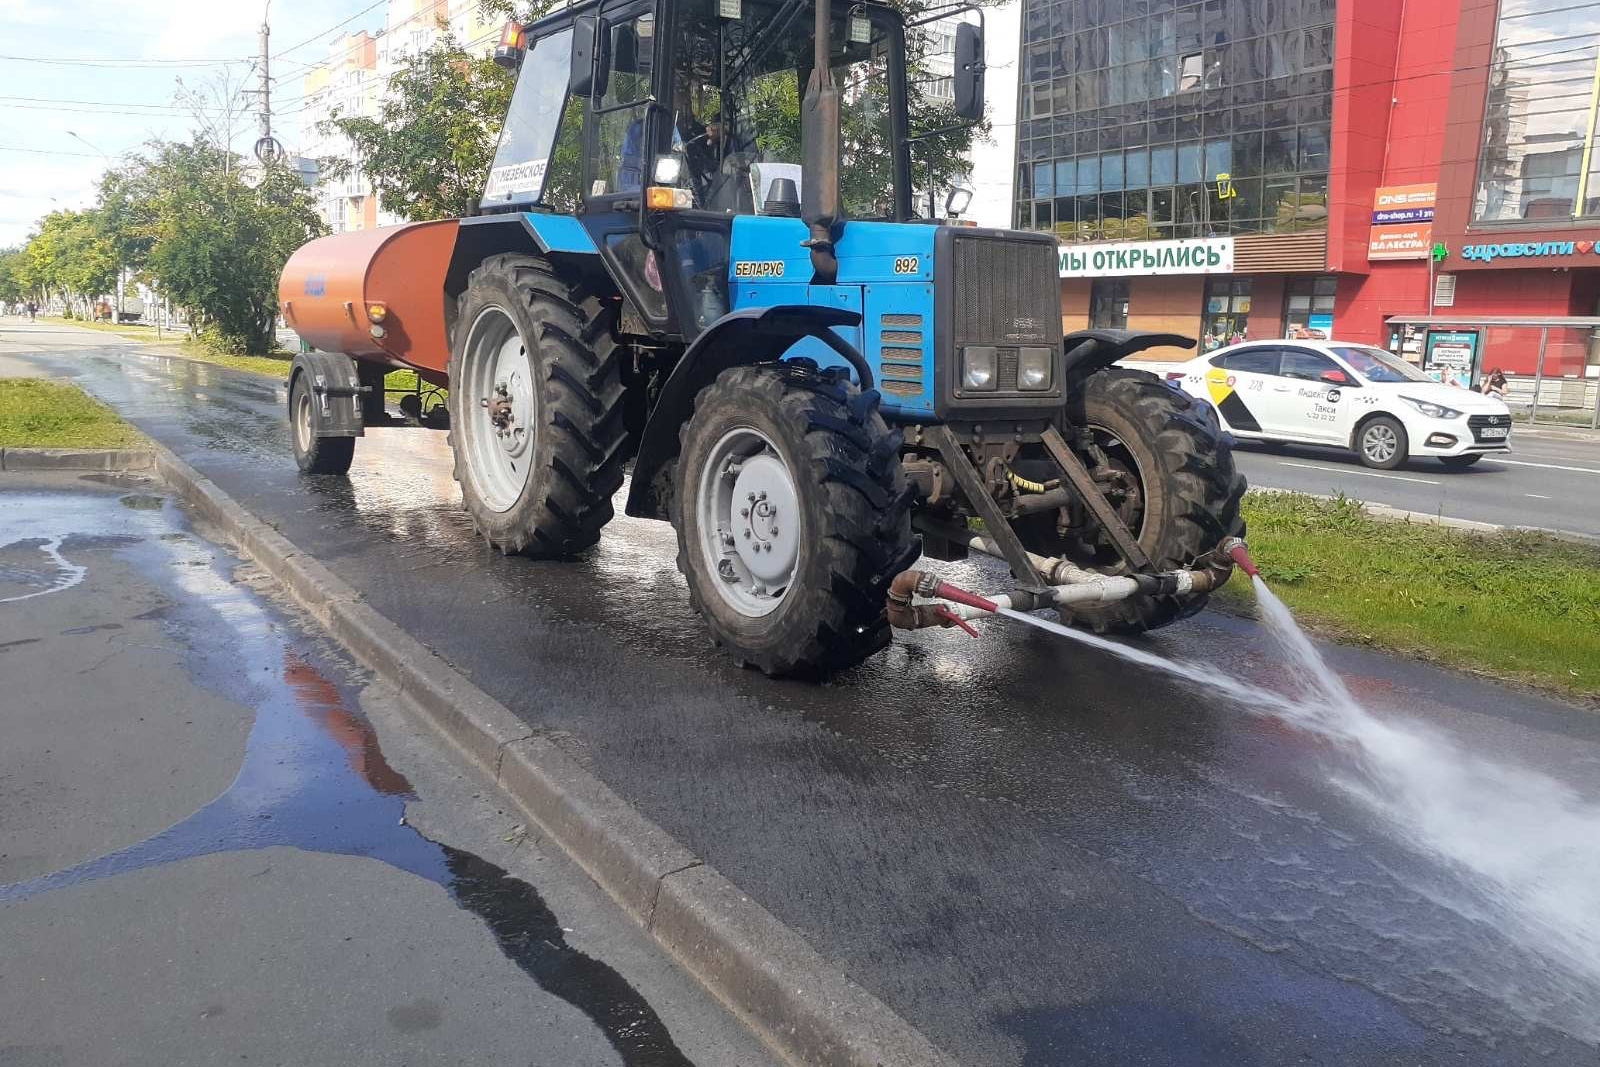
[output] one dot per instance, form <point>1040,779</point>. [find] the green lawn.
<point>1518,606</point>
<point>41,414</point>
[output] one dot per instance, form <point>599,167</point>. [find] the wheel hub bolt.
<point>744,513</point>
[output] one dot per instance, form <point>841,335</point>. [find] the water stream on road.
<point>1528,842</point>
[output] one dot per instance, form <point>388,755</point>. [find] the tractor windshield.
<point>522,158</point>
<point>739,74</point>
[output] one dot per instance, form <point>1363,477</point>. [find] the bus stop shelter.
<point>1544,324</point>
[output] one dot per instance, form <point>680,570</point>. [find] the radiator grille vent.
<point>1005,292</point>
<point>900,349</point>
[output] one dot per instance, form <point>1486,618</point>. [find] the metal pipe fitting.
<point>1235,549</point>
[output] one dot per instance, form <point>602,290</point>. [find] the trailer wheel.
<point>536,407</point>
<point>313,454</point>
<point>1185,492</point>
<point>792,515</point>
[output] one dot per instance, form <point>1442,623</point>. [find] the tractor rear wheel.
<point>1182,495</point>
<point>792,515</point>
<point>536,407</point>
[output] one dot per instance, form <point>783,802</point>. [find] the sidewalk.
<point>207,856</point>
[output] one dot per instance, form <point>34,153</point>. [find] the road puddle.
<point>313,775</point>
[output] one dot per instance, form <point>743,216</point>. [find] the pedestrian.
<point>1495,384</point>
<point>33,309</point>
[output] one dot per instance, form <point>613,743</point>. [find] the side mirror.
<point>968,72</point>
<point>624,50</point>
<point>1336,377</point>
<point>588,77</point>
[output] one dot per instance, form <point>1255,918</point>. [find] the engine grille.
<point>900,355</point>
<point>1005,293</point>
<point>1478,423</point>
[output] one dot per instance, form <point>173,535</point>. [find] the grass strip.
<point>147,334</point>
<point>1518,606</point>
<point>41,414</point>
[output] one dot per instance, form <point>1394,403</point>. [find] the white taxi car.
<point>1348,395</point>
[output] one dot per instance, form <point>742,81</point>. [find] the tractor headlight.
<point>978,364</point>
<point>667,170</point>
<point>1035,369</point>
<point>1433,411</point>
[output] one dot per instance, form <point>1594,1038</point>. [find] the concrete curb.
<point>1384,511</point>
<point>799,1003</point>
<point>76,459</point>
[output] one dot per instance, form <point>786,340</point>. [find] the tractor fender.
<point>559,237</point>
<point>1087,351</point>
<point>336,386</point>
<point>740,338</point>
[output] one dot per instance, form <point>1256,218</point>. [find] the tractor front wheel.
<point>1181,493</point>
<point>536,407</point>
<point>792,516</point>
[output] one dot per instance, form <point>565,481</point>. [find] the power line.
<point>131,64</point>
<point>330,29</point>
<point>47,152</point>
<point>120,104</point>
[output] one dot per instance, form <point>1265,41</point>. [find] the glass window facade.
<point>1108,305</point>
<point>1539,117</point>
<point>1226,319</point>
<point>1131,112</point>
<point>1308,307</point>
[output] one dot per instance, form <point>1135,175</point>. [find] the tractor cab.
<point>658,125</point>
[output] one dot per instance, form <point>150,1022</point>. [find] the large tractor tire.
<point>536,407</point>
<point>792,515</point>
<point>1186,493</point>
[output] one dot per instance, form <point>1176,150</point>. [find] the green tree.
<point>211,241</point>
<point>70,256</point>
<point>12,291</point>
<point>429,149</point>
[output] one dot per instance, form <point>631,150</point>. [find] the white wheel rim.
<point>748,514</point>
<point>499,414</point>
<point>1380,443</point>
<point>302,419</point>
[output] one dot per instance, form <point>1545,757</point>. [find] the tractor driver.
<point>698,143</point>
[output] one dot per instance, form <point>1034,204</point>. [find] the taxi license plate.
<point>1494,432</point>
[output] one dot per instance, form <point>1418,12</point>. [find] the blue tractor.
<point>697,257</point>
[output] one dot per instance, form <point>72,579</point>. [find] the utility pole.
<point>266,79</point>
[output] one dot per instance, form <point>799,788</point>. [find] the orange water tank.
<point>374,294</point>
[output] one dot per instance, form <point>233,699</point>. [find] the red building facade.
<point>1494,102</point>
<point>1479,113</point>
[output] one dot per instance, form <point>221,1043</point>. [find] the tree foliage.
<point>12,291</point>
<point>212,242</point>
<point>428,150</point>
<point>68,256</point>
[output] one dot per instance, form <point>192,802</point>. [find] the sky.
<point>112,79</point>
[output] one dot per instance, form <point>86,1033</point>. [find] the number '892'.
<point>907,264</point>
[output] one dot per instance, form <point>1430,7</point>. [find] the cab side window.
<point>1249,361</point>
<point>620,152</point>
<point>1306,366</point>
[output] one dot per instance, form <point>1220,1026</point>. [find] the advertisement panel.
<point>1402,222</point>
<point>1451,356</point>
<point>1201,255</point>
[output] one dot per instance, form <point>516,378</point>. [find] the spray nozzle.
<point>1239,552</point>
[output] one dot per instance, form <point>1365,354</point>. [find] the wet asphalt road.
<point>1036,853</point>
<point>1550,480</point>
<point>222,842</point>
